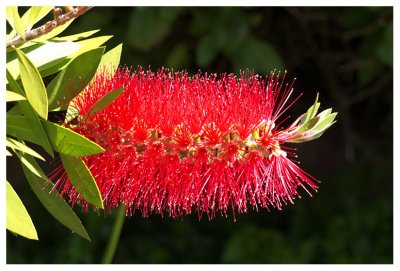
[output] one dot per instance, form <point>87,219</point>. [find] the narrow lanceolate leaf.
<point>33,85</point>
<point>68,142</point>
<point>15,111</point>
<point>16,145</point>
<point>36,13</point>
<point>45,57</point>
<point>312,111</point>
<point>71,112</point>
<point>82,179</point>
<point>53,201</point>
<point>73,79</point>
<point>62,140</point>
<point>19,127</point>
<point>18,219</point>
<point>33,168</point>
<point>75,37</point>
<point>110,60</point>
<point>15,21</point>
<point>103,102</point>
<point>12,96</point>
<point>92,43</point>
<point>32,16</point>
<point>57,67</point>
<point>309,125</point>
<point>10,16</point>
<point>33,120</point>
<point>325,122</point>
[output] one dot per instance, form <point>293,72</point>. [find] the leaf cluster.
<point>68,64</point>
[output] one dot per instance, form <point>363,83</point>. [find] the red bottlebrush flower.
<point>180,143</point>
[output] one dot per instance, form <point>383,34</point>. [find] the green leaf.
<point>85,45</point>
<point>8,153</point>
<point>35,14</point>
<point>32,16</point>
<point>10,16</point>
<point>33,84</point>
<point>44,56</point>
<point>299,120</point>
<point>12,54</point>
<point>110,60</point>
<point>90,44</point>
<point>325,113</point>
<point>258,55</point>
<point>68,142</point>
<point>325,123</point>
<point>82,179</point>
<point>19,127</point>
<point>179,57</point>
<point>54,66</point>
<point>312,111</point>
<point>12,96</point>
<point>72,112</point>
<point>63,140</point>
<point>149,26</point>
<point>15,21</point>
<point>102,103</point>
<point>309,125</point>
<point>73,79</point>
<point>15,111</point>
<point>208,48</point>
<point>53,201</point>
<point>75,37</point>
<point>18,219</point>
<point>26,48</point>
<point>16,145</point>
<point>32,118</point>
<point>33,168</point>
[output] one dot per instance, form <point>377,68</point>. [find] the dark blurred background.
<point>345,54</point>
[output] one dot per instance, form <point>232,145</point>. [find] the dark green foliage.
<point>148,27</point>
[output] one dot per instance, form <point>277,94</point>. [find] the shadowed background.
<point>345,54</point>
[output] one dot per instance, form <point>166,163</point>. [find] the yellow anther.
<point>255,134</point>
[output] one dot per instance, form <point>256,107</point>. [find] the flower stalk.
<point>112,244</point>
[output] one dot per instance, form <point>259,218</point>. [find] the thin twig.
<point>370,28</point>
<point>47,27</point>
<point>370,91</point>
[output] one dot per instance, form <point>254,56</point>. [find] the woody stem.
<point>46,28</point>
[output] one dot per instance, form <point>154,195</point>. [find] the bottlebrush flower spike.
<point>204,143</point>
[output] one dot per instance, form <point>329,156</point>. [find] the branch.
<point>379,22</point>
<point>371,91</point>
<point>47,27</point>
